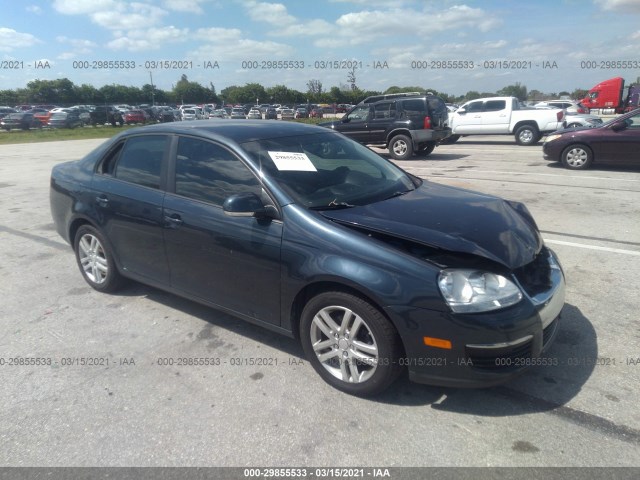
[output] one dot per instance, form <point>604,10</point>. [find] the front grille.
<point>504,358</point>
<point>535,277</point>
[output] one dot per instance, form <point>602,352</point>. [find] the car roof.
<point>236,131</point>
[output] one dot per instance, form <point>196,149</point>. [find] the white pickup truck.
<point>503,116</point>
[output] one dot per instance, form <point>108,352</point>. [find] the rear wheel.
<point>351,345</point>
<point>427,148</point>
<point>527,135</point>
<point>401,147</point>
<point>95,260</point>
<point>577,157</point>
<point>450,139</point>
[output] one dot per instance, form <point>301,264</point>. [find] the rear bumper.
<point>428,135</point>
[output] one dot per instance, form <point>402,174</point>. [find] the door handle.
<point>173,220</point>
<point>102,200</point>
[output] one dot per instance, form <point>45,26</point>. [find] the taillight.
<point>427,122</point>
<point>560,115</point>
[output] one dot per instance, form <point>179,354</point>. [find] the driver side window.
<point>359,114</point>
<point>207,172</point>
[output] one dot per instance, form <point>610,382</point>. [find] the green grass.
<point>58,134</point>
<point>85,133</point>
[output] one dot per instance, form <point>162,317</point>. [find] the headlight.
<point>471,291</point>
<point>551,138</point>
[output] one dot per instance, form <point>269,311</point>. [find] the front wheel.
<point>351,345</point>
<point>401,147</point>
<point>527,135</point>
<point>576,157</point>
<point>95,260</point>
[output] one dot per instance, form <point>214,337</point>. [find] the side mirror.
<point>461,111</point>
<point>345,119</point>
<point>244,205</point>
<point>619,126</point>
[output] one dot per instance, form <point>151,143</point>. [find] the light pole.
<point>153,101</point>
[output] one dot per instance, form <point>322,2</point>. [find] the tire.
<point>451,139</point>
<point>527,135</point>
<point>576,157</point>
<point>338,328</point>
<point>95,260</point>
<point>427,149</point>
<point>401,147</point>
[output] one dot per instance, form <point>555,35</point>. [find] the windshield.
<point>328,170</point>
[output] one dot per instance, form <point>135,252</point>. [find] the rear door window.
<point>495,105</point>
<point>139,160</point>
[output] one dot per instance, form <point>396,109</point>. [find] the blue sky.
<point>406,39</point>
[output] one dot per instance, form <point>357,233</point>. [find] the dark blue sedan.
<point>306,232</point>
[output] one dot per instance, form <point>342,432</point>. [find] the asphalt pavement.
<point>116,396</point>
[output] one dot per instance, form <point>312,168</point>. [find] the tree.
<point>517,90</point>
<point>189,92</point>
<point>351,78</point>
<point>579,93</point>
<point>314,87</point>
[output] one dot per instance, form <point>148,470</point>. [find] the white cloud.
<point>242,49</point>
<point>147,39</point>
<point>83,7</point>
<point>619,5</point>
<point>391,22</point>
<point>35,9</point>
<point>219,35</point>
<point>272,13</point>
<point>11,39</point>
<point>374,3</point>
<point>188,6</point>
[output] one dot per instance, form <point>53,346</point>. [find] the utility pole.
<point>153,101</point>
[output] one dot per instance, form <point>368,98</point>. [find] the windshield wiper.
<point>398,194</point>
<point>334,205</point>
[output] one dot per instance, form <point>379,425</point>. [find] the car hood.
<point>454,220</point>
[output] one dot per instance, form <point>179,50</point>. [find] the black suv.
<point>404,123</point>
<point>106,114</point>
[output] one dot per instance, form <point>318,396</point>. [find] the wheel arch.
<point>398,131</point>
<point>524,123</point>
<point>331,285</point>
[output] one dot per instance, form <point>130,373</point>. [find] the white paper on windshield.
<point>292,161</point>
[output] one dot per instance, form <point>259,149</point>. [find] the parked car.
<point>316,113</point>
<point>22,120</point>
<point>42,114</point>
<point>218,113</point>
<point>254,114</point>
<point>569,106</point>
<point>190,114</point>
<point>106,114</point>
<point>271,114</point>
<point>582,120</point>
<point>69,118</point>
<point>616,142</point>
<point>302,230</point>
<point>504,116</point>
<point>301,113</point>
<point>4,111</point>
<point>287,114</point>
<point>134,116</point>
<point>168,114</point>
<point>404,124</point>
<point>237,113</point>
